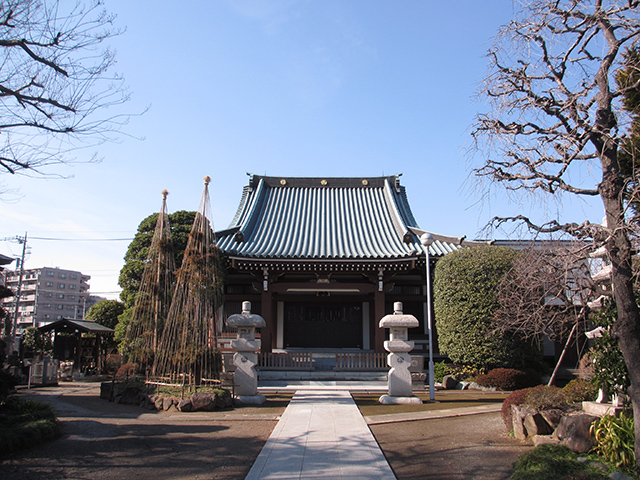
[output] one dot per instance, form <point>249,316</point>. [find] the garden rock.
<point>535,424</point>
<point>129,396</point>
<point>545,440</point>
<point>167,402</point>
<point>573,431</point>
<point>619,476</point>
<point>517,416</point>
<point>106,390</point>
<point>205,402</point>
<point>449,382</point>
<point>158,403</point>
<point>185,405</point>
<point>552,417</point>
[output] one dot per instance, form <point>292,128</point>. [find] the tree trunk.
<point>626,329</point>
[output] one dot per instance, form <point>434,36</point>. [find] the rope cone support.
<point>188,350</point>
<point>154,295</point>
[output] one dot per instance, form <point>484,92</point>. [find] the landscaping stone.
<point>535,424</point>
<point>619,476</point>
<point>129,396</point>
<point>517,417</point>
<point>167,403</point>
<point>202,401</point>
<point>545,440</point>
<point>463,385</point>
<point>158,403</point>
<point>185,405</point>
<point>449,382</point>
<point>552,417</point>
<point>106,390</point>
<point>573,431</point>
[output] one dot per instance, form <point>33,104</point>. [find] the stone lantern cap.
<point>398,319</point>
<point>246,318</point>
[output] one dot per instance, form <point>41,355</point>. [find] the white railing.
<point>361,361</point>
<point>285,361</point>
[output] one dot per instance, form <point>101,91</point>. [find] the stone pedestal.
<point>246,358</point>
<point>399,360</point>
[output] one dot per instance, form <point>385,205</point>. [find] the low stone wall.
<point>132,395</point>
<point>570,428</point>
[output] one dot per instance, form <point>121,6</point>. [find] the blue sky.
<point>283,88</point>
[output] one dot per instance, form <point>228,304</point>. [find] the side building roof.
<point>304,218</point>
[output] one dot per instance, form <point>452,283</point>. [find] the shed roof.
<point>69,325</point>
<point>325,218</point>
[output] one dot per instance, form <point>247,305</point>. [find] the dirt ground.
<point>469,447</point>
<point>105,441</point>
<point>102,440</point>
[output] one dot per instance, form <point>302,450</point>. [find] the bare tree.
<point>556,119</point>
<point>55,82</point>
<point>546,291</point>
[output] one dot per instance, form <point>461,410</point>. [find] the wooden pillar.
<point>268,333</point>
<point>378,309</point>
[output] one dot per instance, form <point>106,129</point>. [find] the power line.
<point>83,239</point>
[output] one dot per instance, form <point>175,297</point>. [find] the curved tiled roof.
<point>324,218</point>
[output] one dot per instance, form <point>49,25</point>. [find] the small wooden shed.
<point>70,343</point>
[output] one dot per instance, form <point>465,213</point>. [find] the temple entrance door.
<point>323,325</point>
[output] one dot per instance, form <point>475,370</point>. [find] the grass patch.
<point>369,405</point>
<point>555,462</point>
<point>25,423</point>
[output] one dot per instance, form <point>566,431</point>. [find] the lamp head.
<point>426,239</point>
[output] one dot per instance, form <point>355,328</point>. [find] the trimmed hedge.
<point>465,303</point>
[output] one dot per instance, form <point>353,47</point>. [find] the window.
<point>47,305</point>
<point>48,294</point>
<point>47,316</point>
<point>72,286</point>
<point>59,317</point>
<point>74,277</point>
<point>61,295</point>
<point>72,297</point>
<point>49,284</point>
<point>50,274</point>
<point>60,307</point>
<point>62,275</point>
<point>71,307</point>
<point>61,285</point>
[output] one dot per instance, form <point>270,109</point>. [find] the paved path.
<point>321,434</point>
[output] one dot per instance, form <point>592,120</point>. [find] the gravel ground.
<point>102,440</point>
<point>105,441</point>
<point>470,447</point>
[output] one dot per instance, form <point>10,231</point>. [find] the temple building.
<point>322,260</point>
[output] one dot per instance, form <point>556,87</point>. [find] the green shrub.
<point>25,423</point>
<point>465,303</point>
<point>507,379</point>
<point>554,462</point>
<point>616,438</point>
<point>580,390</point>
<point>545,397</point>
<point>440,369</point>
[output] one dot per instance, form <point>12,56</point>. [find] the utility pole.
<point>10,328</point>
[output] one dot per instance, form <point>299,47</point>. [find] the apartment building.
<point>47,294</point>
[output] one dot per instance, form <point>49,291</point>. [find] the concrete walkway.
<point>321,434</point>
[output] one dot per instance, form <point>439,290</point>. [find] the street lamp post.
<point>427,239</point>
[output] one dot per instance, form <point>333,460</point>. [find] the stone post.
<point>399,359</point>
<point>246,358</point>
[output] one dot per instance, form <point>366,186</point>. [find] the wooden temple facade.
<point>324,259</point>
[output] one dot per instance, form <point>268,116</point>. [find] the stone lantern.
<point>246,357</point>
<point>399,359</point>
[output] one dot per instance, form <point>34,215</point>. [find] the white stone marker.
<point>246,358</point>
<point>399,359</point>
